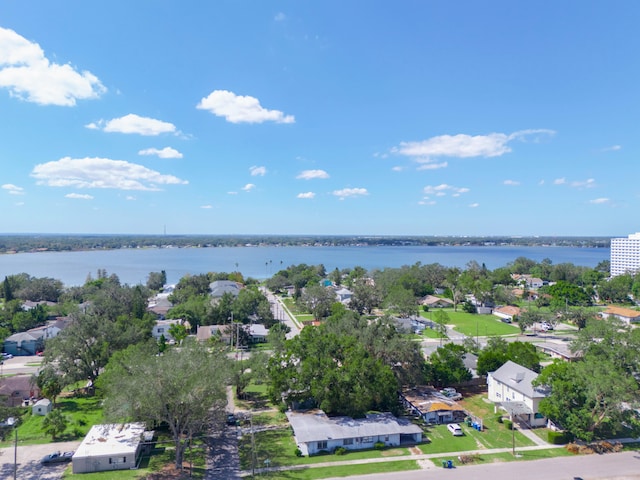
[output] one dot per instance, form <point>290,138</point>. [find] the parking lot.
<point>28,461</point>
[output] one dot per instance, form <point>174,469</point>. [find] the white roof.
<point>111,440</point>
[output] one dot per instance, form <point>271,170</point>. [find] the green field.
<point>471,324</point>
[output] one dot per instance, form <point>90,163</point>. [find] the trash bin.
<point>444,464</point>
<point>449,463</point>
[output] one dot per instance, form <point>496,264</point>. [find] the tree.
<point>54,423</point>
<point>446,366</point>
<point>178,332</point>
<point>317,300</point>
<point>529,317</point>
<point>156,280</point>
<point>185,389</point>
<point>402,301</point>
<point>365,298</point>
<point>7,292</point>
<point>50,383</point>
<point>455,285</point>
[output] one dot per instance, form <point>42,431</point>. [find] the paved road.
<point>28,458</point>
<point>281,313</point>
<point>223,462</point>
<point>612,466</point>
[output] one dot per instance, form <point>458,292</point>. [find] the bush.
<point>340,451</point>
<point>298,452</point>
<point>558,438</point>
<point>499,418</point>
<point>282,407</point>
<point>425,308</point>
<point>379,445</point>
<point>508,424</point>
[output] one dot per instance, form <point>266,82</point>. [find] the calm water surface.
<point>133,265</point>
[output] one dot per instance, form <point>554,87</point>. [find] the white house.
<point>627,315</point>
<point>315,432</point>
<point>42,407</point>
<point>109,447</point>
<point>162,328</point>
<point>511,389</point>
<point>344,295</point>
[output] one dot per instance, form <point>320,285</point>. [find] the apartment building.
<point>625,254</point>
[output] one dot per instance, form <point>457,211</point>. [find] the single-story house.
<point>18,390</point>
<point>627,315</point>
<point>258,333</point>
<point>315,432</point>
<point>511,389</point>
<point>430,405</point>
<point>205,332</point>
<point>558,350</point>
<point>28,305</point>
<point>527,280</point>
<point>220,287</point>
<point>160,304</point>
<point>432,301</point>
<point>24,343</point>
<point>109,447</point>
<point>162,327</point>
<point>42,407</point>
<point>508,313</point>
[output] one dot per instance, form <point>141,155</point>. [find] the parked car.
<point>56,457</point>
<point>455,429</point>
<point>546,326</point>
<point>232,420</point>
<point>451,393</point>
<point>6,356</point>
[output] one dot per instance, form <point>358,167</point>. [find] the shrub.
<point>508,424</point>
<point>558,438</point>
<point>379,445</point>
<point>282,407</point>
<point>499,418</point>
<point>340,451</point>
<point>298,452</point>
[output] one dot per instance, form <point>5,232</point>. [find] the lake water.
<point>133,265</point>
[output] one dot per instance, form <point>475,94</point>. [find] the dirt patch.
<point>169,472</point>
<point>394,452</point>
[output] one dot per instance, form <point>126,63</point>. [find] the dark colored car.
<point>56,457</point>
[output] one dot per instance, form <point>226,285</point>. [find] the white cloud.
<point>79,196</point>
<point>397,168</point>
<point>280,17</point>
<point>464,146</point>
<point>101,173</point>
<point>232,193</point>
<point>612,148</point>
<point>350,192</point>
<point>166,152</point>
<point>241,109</point>
<point>600,201</point>
<point>207,207</point>
<point>433,166</point>
<point>258,171</point>
<point>474,205</point>
<point>133,123</point>
<point>306,195</point>
<point>130,197</point>
<point>248,187</point>
<point>13,189</point>
<point>560,181</point>
<point>442,189</point>
<point>311,174</point>
<point>30,76</point>
<point>512,183</point>
<point>588,183</point>
<point>426,201</point>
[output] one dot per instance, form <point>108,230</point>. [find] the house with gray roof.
<point>315,432</point>
<point>220,287</point>
<point>511,389</point>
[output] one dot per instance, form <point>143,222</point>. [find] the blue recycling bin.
<point>449,464</point>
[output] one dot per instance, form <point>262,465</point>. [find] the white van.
<point>455,429</point>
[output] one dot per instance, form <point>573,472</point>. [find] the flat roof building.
<point>625,255</point>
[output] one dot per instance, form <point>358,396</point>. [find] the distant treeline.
<point>51,242</point>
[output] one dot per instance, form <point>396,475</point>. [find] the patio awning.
<point>515,408</point>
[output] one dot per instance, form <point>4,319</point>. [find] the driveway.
<point>21,365</point>
<point>28,458</point>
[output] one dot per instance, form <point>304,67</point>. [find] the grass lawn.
<point>344,470</point>
<point>279,447</point>
<point>471,324</point>
<point>506,457</point>
<point>82,413</point>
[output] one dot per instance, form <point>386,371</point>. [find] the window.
<point>347,441</point>
<point>367,439</point>
<point>322,445</point>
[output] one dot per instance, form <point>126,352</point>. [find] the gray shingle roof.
<point>518,378</point>
<point>315,425</point>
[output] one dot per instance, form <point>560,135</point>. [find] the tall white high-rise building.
<point>625,255</point>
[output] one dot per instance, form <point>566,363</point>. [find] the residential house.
<point>432,301</point>
<point>511,389</point>
<point>109,447</point>
<point>315,432</point>
<point>160,305</point>
<point>627,315</point>
<point>205,332</point>
<point>28,305</point>
<point>258,333</point>
<point>18,390</point>
<point>344,295</point>
<point>432,406</point>
<point>24,343</point>
<point>220,287</point>
<point>507,313</point>
<point>162,327</point>
<point>528,281</point>
<point>558,349</point>
<point>42,407</point>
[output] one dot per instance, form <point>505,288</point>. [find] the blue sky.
<point>333,117</point>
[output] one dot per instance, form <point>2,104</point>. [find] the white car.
<point>6,356</point>
<point>546,326</point>
<point>455,429</point>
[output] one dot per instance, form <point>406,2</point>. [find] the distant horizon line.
<point>300,235</point>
